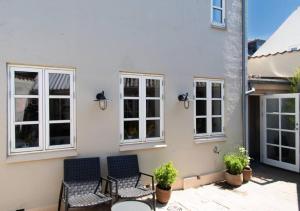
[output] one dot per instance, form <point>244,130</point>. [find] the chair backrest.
<point>82,169</point>
<point>123,166</point>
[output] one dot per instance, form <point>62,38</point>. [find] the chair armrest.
<point>149,175</point>
<point>108,183</point>
<point>113,180</point>
<point>65,189</point>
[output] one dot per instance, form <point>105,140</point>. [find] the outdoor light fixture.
<point>185,99</point>
<point>100,97</point>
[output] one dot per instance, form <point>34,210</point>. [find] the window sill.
<point>218,26</point>
<point>210,139</point>
<point>15,158</point>
<point>141,146</point>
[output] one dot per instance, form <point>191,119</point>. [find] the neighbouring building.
<point>56,56</point>
<point>254,45</point>
<point>273,110</point>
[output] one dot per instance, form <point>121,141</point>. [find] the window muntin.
<point>209,107</point>
<point>30,107</point>
<point>141,108</point>
<point>218,12</point>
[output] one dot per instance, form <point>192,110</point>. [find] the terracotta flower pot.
<point>163,196</point>
<point>234,180</point>
<point>247,174</point>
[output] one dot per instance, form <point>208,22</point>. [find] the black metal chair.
<point>83,185</point>
<point>125,174</point>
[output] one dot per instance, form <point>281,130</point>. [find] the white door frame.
<point>263,133</point>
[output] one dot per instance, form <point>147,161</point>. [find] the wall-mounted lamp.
<point>100,97</point>
<point>185,99</point>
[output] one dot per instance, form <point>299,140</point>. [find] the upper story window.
<point>41,104</point>
<point>218,13</point>
<point>209,107</point>
<point>141,108</point>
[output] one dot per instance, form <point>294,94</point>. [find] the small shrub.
<point>165,176</point>
<point>233,163</point>
<point>243,156</point>
<point>295,82</point>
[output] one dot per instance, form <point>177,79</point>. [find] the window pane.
<point>272,105</point>
<point>152,88</point>
<point>200,107</point>
<point>216,107</point>
<point>153,108</point>
<point>272,121</point>
<point>201,125</point>
<point>217,3</point>
<point>27,136</point>
<point>216,91</point>
<point>26,83</point>
<point>201,89</point>
<point>153,128</point>
<point>288,122</point>
<point>131,130</point>
<point>217,125</point>
<point>59,134</point>
<point>131,108</point>
<point>59,84</point>
<point>217,16</point>
<point>273,136</point>
<point>288,105</point>
<point>288,155</point>
<point>59,109</point>
<point>131,87</point>
<point>272,152</point>
<point>288,139</point>
<point>26,109</point>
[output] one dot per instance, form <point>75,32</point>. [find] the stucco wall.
<point>99,39</point>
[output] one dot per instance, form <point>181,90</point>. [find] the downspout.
<point>244,75</point>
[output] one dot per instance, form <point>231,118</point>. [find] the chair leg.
<point>60,197</point>
<point>153,201</point>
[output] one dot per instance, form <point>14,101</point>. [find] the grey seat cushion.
<point>89,199</point>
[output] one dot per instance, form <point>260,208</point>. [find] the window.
<point>41,109</point>
<point>141,108</point>
<point>218,12</point>
<point>209,108</point>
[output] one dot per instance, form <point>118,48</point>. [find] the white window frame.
<point>43,109</point>
<point>142,108</point>
<point>209,116</point>
<point>223,10</point>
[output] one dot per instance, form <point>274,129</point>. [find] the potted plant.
<point>165,176</point>
<point>234,166</point>
<point>245,159</point>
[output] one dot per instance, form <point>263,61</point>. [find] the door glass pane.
<point>217,15</point>
<point>59,109</point>
<point>288,155</point>
<point>217,125</point>
<point>216,107</point>
<point>131,87</point>
<point>272,105</point>
<point>216,91</point>
<point>153,128</point>
<point>272,121</point>
<point>26,109</point>
<point>26,83</point>
<point>273,137</point>
<point>131,108</point>
<point>272,152</point>
<point>131,130</point>
<point>59,84</point>
<point>27,136</point>
<point>59,134</point>
<point>288,139</point>
<point>288,105</point>
<point>288,122</point>
<point>153,108</point>
<point>201,107</point>
<point>152,88</point>
<point>201,89</point>
<point>201,125</point>
<point>217,3</point>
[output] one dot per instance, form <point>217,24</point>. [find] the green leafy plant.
<point>295,82</point>
<point>243,156</point>
<point>233,163</point>
<point>165,176</point>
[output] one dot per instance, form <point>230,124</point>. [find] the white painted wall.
<point>99,39</point>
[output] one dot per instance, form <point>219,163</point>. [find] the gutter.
<point>268,81</point>
<point>244,76</point>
